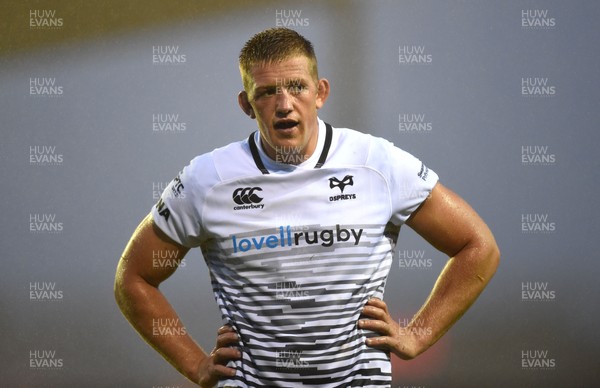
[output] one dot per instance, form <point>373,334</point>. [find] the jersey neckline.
<point>322,158</point>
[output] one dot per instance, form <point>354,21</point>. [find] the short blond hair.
<point>275,45</point>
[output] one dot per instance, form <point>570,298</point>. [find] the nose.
<point>284,102</point>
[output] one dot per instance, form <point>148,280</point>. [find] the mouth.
<point>285,124</point>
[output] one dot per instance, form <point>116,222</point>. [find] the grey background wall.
<point>501,99</point>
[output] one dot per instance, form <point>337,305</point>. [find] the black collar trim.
<point>322,157</point>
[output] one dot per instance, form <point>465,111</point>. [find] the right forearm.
<point>150,313</point>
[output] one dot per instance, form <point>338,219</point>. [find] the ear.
<point>322,92</point>
<point>245,104</point>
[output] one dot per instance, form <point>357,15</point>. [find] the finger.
<point>376,302</point>
<point>377,326</point>
<point>376,313</point>
<point>379,342</point>
<point>227,339</point>
<point>223,355</point>
<point>222,370</point>
<point>225,329</point>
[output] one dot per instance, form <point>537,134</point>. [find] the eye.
<point>297,88</point>
<point>266,92</point>
<point>270,91</point>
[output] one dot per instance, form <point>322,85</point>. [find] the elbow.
<point>492,258</point>
<point>495,254</point>
<point>485,256</point>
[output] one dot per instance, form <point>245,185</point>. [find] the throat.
<point>290,155</point>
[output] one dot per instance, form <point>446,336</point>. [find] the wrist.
<point>192,367</point>
<point>413,341</point>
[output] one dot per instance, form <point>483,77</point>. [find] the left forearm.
<point>449,224</point>
<point>462,280</point>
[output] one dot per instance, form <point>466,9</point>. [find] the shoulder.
<point>363,148</point>
<point>349,135</point>
<point>234,161</point>
<point>231,161</point>
<point>379,154</point>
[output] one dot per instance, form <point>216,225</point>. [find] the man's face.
<point>284,98</point>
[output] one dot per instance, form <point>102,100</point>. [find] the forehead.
<point>271,72</point>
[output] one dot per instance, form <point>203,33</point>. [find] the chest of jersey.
<point>320,210</point>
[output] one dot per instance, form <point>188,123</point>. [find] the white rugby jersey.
<point>295,251</point>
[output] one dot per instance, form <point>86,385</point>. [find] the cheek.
<point>307,103</point>
<point>264,111</point>
<point>260,114</point>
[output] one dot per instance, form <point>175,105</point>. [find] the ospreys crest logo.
<point>347,181</point>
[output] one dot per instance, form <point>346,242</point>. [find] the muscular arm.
<point>449,224</point>
<point>149,312</point>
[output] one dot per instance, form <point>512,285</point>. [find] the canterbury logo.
<point>246,195</point>
<point>347,181</point>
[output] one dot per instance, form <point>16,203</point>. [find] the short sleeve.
<point>177,211</point>
<point>410,181</point>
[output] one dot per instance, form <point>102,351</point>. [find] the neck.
<point>287,154</point>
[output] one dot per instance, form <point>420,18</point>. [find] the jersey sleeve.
<point>177,212</point>
<point>410,181</point>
